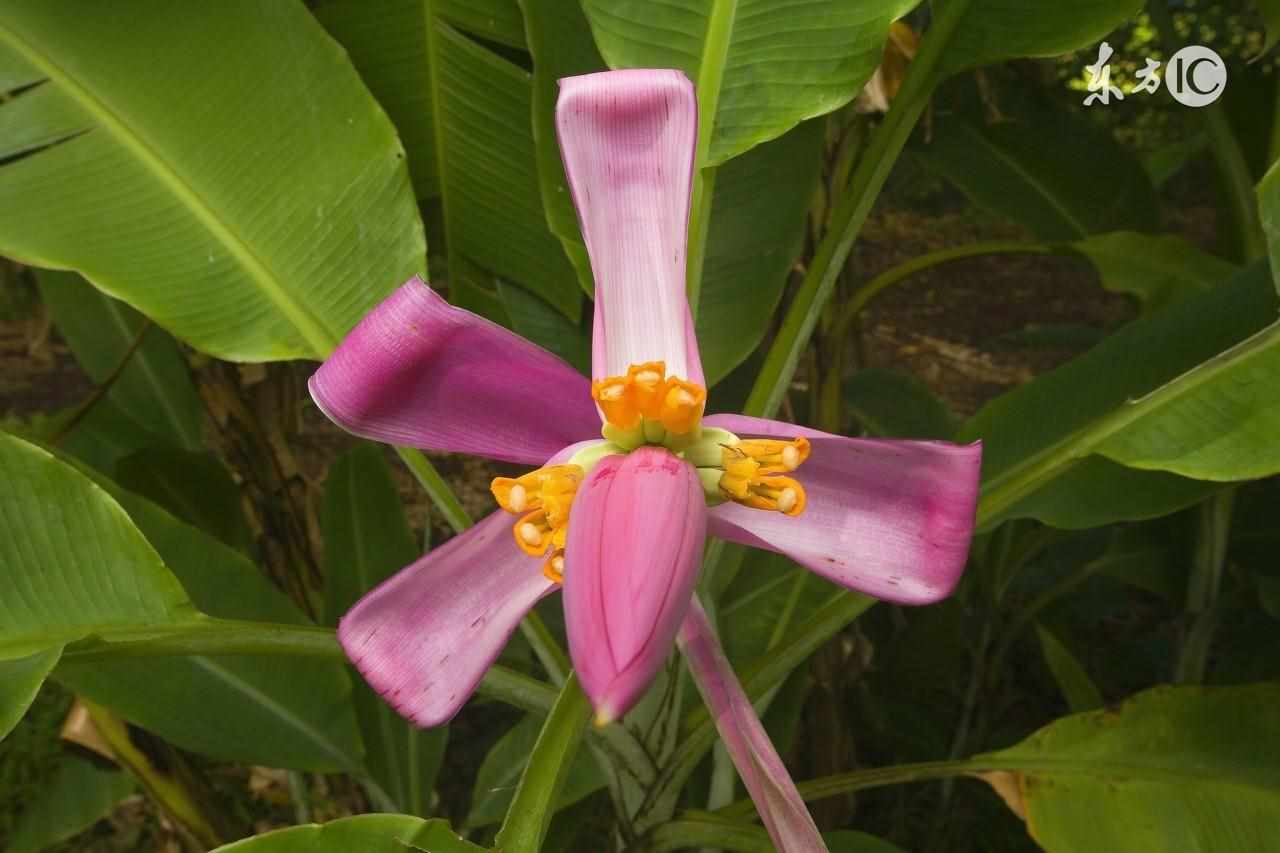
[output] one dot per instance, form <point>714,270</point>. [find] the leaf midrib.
<point>1108,770</point>
<point>308,326</point>
<point>1024,478</point>
<point>275,708</point>
<point>1035,184</point>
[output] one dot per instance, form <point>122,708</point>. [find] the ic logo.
<point>1196,76</point>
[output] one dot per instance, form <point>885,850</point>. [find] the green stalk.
<point>1226,150</point>
<point>861,780</point>
<point>165,788</point>
<point>1213,531</point>
<point>715,50</point>
<point>850,310</point>
<point>211,637</point>
<point>436,488</point>
<point>544,776</point>
<point>851,212</point>
<point>214,637</point>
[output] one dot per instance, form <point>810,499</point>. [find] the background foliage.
<point>192,196</point>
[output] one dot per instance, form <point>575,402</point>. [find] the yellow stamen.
<point>543,499</point>
<point>776,456</point>
<point>537,488</point>
<point>533,533</point>
<point>751,474</point>
<point>553,568</point>
<point>781,494</point>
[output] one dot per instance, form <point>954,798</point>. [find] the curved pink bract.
<point>425,638</point>
<point>416,371</point>
<point>889,518</point>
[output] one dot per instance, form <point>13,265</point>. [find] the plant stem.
<point>851,212</point>
<point>715,50</point>
<point>1225,146</point>
<point>166,790</point>
<point>103,387</point>
<point>860,780</point>
<point>1213,530</point>
<point>213,637</point>
<point>544,776</point>
<point>850,310</point>
<point>436,488</point>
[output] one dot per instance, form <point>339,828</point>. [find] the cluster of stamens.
<point>649,401</point>
<point>648,407</point>
<point>755,474</point>
<point>542,499</point>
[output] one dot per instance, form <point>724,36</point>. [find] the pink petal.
<point>762,771</point>
<point>889,518</point>
<point>636,532</point>
<point>627,139</point>
<point>425,638</point>
<point>417,371</point>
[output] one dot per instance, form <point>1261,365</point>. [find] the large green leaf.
<point>384,54</point>
<point>239,186</point>
<point>155,389</point>
<point>995,30</point>
<point>279,711</point>
<point>77,796</point>
<point>760,67</point>
<point>896,405</point>
<point>74,563</point>
<point>371,833</point>
<point>756,232</point>
<point>1031,170</point>
<point>20,680</point>
<point>468,111</point>
<point>1184,393</point>
<point>1157,269</point>
<point>366,540</point>
<point>767,598</point>
<point>1174,768</point>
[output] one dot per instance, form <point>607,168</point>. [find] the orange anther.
<point>649,387</point>
<point>682,406</point>
<point>617,400</point>
<point>553,568</point>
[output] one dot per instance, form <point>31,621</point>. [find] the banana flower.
<point>631,474</point>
